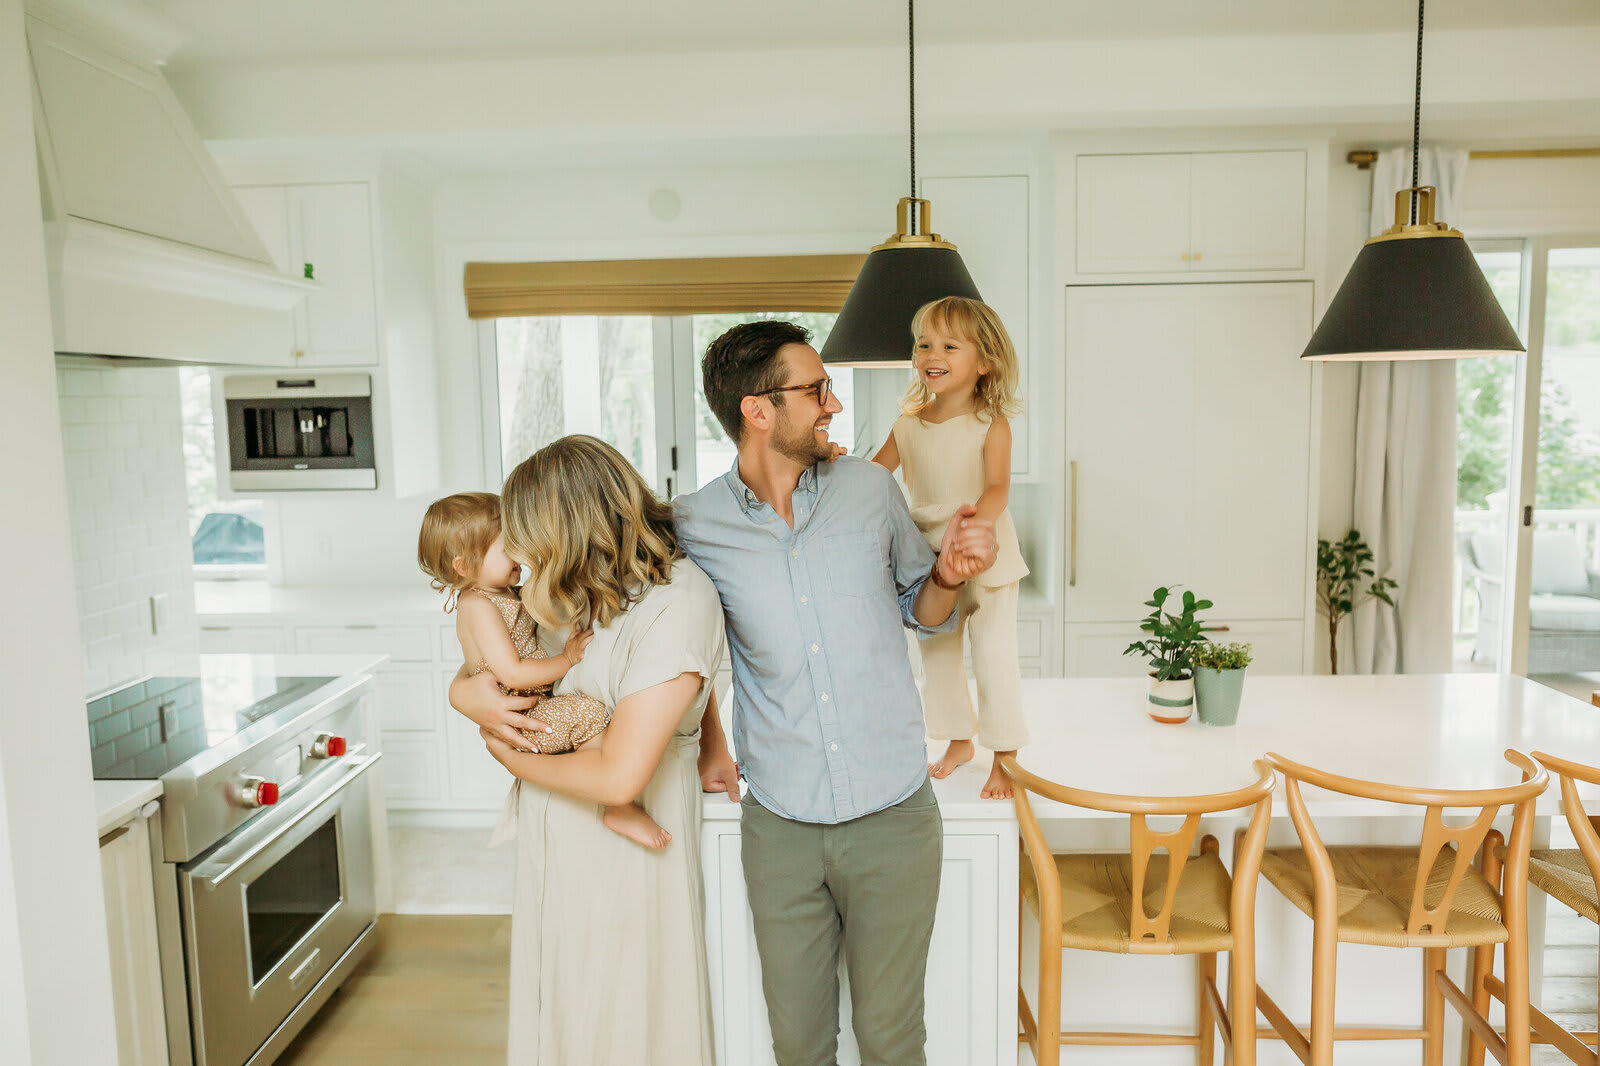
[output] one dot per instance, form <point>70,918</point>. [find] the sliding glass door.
<point>631,380</point>
<point>1528,488</point>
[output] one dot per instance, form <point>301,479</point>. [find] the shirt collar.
<point>749,501</point>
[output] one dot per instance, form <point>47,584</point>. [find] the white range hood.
<point>150,255</point>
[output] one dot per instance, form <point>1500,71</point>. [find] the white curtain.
<point>1405,477</point>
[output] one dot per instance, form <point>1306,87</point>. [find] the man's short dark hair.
<point>744,362</point>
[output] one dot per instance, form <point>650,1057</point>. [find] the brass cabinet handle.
<point>116,834</point>
<point>1072,553</point>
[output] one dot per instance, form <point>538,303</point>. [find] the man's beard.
<point>803,446</point>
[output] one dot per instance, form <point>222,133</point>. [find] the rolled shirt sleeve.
<point>913,564</point>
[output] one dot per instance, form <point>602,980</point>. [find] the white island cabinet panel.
<point>129,883</point>
<point>969,959</point>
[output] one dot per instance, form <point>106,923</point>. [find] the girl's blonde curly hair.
<point>977,322</point>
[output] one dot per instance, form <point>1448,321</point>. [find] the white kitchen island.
<point>1445,731</point>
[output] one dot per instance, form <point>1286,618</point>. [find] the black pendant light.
<point>911,268</point>
<point>1415,291</point>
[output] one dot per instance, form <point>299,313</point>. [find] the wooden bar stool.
<point>1570,876</point>
<point>1102,903</point>
<point>1428,897</point>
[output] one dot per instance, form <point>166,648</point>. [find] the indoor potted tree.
<point>1171,641</point>
<point>1219,681</point>
<point>1346,580</point>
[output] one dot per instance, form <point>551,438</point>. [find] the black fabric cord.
<point>911,89</point>
<point>1416,118</point>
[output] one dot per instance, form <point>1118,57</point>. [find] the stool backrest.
<point>1144,841</point>
<point>1467,839</point>
<point>1583,827</point>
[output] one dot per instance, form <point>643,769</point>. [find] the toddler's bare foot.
<point>958,752</point>
<point>999,786</point>
<point>632,822</point>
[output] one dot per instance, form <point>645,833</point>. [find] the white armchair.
<point>1563,602</point>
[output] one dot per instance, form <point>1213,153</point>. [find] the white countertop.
<point>116,802</point>
<point>1442,730</point>
<point>259,597</point>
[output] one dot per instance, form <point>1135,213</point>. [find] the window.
<point>631,380</point>
<point>227,536</point>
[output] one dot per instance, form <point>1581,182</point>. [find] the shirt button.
<point>804,600</point>
<point>824,697</point>
<point>795,552</point>
<point>814,649</point>
<point>833,747</point>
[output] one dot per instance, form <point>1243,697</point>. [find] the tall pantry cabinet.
<point>1188,416</point>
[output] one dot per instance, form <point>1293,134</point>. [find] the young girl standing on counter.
<point>954,441</point>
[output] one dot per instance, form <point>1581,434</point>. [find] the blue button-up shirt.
<point>827,722</point>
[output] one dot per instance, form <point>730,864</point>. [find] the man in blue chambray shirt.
<point>819,566</point>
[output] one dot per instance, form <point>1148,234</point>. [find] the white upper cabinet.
<point>986,218</point>
<point>327,228</point>
<point>1191,212</point>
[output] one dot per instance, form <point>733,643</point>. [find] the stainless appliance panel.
<point>276,907</point>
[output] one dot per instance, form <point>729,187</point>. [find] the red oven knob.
<point>328,746</point>
<point>254,792</point>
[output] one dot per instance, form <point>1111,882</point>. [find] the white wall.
<point>122,430</point>
<point>52,914</point>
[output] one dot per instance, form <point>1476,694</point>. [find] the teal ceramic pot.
<point>1217,694</point>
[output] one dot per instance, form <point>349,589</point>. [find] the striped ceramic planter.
<point>1171,701</point>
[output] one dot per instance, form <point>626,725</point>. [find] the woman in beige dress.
<point>608,964</point>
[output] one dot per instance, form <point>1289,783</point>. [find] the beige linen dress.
<point>608,961</point>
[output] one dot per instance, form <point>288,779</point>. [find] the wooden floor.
<point>432,992</point>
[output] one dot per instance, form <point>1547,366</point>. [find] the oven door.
<point>273,908</point>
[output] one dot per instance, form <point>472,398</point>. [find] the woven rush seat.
<point>1374,896</point>
<point>1097,903</point>
<point>1565,876</point>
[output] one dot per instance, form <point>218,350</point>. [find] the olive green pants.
<point>865,890</point>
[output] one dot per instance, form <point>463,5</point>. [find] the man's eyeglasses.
<point>822,390</point>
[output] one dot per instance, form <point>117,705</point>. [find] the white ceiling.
<point>224,32</point>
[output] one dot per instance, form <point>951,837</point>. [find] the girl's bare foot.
<point>999,786</point>
<point>958,752</point>
<point>632,822</point>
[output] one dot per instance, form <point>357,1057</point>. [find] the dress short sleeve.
<point>675,629</point>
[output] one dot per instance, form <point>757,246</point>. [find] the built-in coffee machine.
<point>311,431</point>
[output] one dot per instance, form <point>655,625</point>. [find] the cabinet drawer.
<point>407,697</point>
<point>399,643</point>
<point>411,769</point>
<point>228,639</point>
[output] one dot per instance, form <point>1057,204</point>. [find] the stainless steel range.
<point>265,862</point>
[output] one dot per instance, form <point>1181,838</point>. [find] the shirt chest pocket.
<point>856,566</point>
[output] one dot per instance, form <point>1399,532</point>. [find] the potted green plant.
<point>1344,568</point>
<point>1219,681</point>
<point>1171,641</point>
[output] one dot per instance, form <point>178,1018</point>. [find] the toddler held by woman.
<point>954,443</point>
<point>462,550</point>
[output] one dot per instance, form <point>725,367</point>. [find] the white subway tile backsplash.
<point>123,436</point>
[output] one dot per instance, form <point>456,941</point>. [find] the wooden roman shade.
<point>661,286</point>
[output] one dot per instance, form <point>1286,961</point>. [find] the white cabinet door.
<point>407,697</point>
<point>476,780</point>
<point>129,883</point>
<point>331,229</point>
<point>963,959</point>
<point>411,769</point>
<point>1188,421</point>
<point>1247,211</point>
<point>986,218</point>
<point>1133,213</point>
<point>402,643</point>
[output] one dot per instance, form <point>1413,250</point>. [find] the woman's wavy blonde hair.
<point>978,323</point>
<point>590,530</point>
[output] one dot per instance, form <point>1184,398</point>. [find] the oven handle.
<point>353,772</point>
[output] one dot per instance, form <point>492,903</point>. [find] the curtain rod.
<point>1363,158</point>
